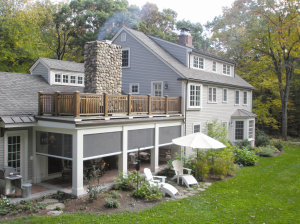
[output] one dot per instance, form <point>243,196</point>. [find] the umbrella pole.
<point>196,165</point>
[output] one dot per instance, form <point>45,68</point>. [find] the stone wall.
<point>102,68</point>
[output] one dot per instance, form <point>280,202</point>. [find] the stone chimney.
<point>102,67</point>
<point>185,37</point>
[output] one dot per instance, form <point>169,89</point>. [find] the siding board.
<point>145,67</point>
<point>40,69</point>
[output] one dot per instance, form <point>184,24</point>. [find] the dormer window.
<point>214,66</point>
<point>73,79</point>
<point>80,80</point>
<point>65,79</point>
<point>226,69</point>
<point>198,62</point>
<point>57,78</point>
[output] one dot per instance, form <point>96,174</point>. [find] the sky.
<point>193,10</point>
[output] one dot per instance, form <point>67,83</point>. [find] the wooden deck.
<point>89,104</point>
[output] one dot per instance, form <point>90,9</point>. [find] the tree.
<point>158,23</point>
<point>269,29</point>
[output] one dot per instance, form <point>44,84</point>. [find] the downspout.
<point>186,89</point>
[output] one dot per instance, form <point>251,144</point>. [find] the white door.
<point>157,89</point>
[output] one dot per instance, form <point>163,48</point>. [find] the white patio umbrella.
<point>198,141</point>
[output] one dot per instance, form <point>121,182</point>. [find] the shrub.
<point>145,191</point>
<point>128,181</point>
<point>245,157</point>
<point>244,143</point>
<point>116,194</point>
<point>267,151</point>
<point>261,139</point>
<point>215,130</point>
<point>4,201</point>
<point>111,203</point>
<point>94,191</point>
<point>277,144</point>
<point>57,208</point>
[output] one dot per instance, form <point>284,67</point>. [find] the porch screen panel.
<point>55,144</point>
<point>166,134</point>
<point>140,138</point>
<point>103,143</point>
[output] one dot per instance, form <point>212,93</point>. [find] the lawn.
<point>266,193</point>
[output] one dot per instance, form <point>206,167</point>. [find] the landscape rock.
<point>54,212</point>
<point>50,201</point>
<point>53,206</point>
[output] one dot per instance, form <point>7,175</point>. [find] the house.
<point>207,84</point>
<point>49,122</point>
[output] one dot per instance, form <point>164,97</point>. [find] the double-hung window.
<point>237,98</point>
<point>134,88</point>
<point>245,98</point>
<point>196,128</point>
<point>194,96</point>
<point>73,79</point>
<point>251,129</point>
<point>198,62</point>
<point>225,95</point>
<point>214,66</point>
<point>212,94</point>
<point>80,80</point>
<point>224,124</point>
<point>65,79</point>
<point>226,69</point>
<point>125,58</point>
<point>239,130</point>
<point>57,78</point>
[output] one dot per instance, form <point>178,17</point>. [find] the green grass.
<point>267,193</point>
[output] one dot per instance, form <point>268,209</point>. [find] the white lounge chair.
<point>167,188</point>
<point>187,179</point>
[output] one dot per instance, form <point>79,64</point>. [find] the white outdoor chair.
<point>187,179</point>
<point>167,188</point>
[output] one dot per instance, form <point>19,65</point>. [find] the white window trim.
<point>188,97</point>
<point>244,97</point>
<point>194,128</point>
<point>127,49</point>
<point>226,70</point>
<point>152,89</point>
<point>24,151</point>
<point>60,78</point>
<point>212,95</point>
<point>223,95</point>
<point>130,88</point>
<point>244,130</point>
<point>248,128</point>
<point>123,37</point>
<point>82,80</point>
<point>235,98</point>
<point>198,62</point>
<point>213,66</point>
<point>69,79</point>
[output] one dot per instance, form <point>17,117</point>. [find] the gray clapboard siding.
<point>40,69</point>
<point>2,150</point>
<point>146,67</point>
<point>176,50</point>
<point>220,110</point>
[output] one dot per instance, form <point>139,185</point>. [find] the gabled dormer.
<point>58,72</point>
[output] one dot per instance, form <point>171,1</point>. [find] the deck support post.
<point>105,104</point>
<point>40,104</point>
<point>149,104</point>
<point>76,104</point>
<point>167,104</point>
<point>154,162</point>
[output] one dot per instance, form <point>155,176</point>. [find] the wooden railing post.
<point>76,104</point>
<point>167,104</point>
<point>129,104</point>
<point>40,104</point>
<point>105,104</point>
<point>56,103</point>
<point>180,109</point>
<point>149,104</point>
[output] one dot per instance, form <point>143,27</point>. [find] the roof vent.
<point>185,38</point>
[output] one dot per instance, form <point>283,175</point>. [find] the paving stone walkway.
<point>53,203</point>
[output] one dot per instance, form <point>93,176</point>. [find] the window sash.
<point>212,94</point>
<point>224,124</point>
<point>226,69</point>
<point>134,88</point>
<point>198,62</point>
<point>57,78</point>
<point>214,67</point>
<point>251,127</point>
<point>125,58</point>
<point>14,152</point>
<point>80,80</point>
<point>65,79</point>
<point>196,128</point>
<point>73,79</point>
<point>157,89</point>
<point>237,97</point>
<point>195,95</point>
<point>245,98</point>
<point>239,130</point>
<point>225,95</point>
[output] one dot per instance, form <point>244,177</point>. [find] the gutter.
<point>216,83</point>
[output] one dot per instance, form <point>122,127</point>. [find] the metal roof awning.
<point>17,119</point>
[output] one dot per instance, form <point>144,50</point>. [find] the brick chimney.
<point>102,67</point>
<point>185,37</point>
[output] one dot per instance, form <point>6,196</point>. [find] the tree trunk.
<point>284,120</point>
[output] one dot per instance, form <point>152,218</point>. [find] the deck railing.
<point>89,104</point>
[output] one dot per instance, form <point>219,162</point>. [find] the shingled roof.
<point>19,93</point>
<point>243,113</point>
<point>63,65</point>
<point>185,72</point>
